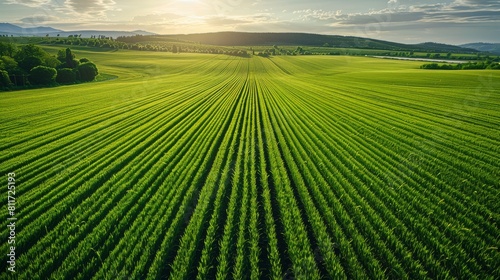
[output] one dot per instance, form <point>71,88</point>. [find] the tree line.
<point>30,65</point>
<point>486,64</point>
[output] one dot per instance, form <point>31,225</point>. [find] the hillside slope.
<point>296,39</point>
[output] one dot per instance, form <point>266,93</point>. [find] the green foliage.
<point>42,75</point>
<point>70,60</point>
<point>8,64</point>
<point>304,167</point>
<point>66,76</point>
<point>87,72</point>
<point>30,56</point>
<point>7,49</point>
<point>67,58</point>
<point>51,61</point>
<point>73,64</point>
<point>4,79</point>
<point>30,50</point>
<point>61,55</point>
<point>463,66</point>
<point>28,63</point>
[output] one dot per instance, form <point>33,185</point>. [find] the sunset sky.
<point>406,21</point>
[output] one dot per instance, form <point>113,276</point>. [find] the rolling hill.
<point>484,47</point>
<point>14,30</point>
<point>297,39</point>
<point>251,39</point>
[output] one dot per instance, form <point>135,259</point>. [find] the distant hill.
<point>11,29</point>
<point>114,34</point>
<point>250,39</point>
<point>303,39</point>
<point>438,47</point>
<point>493,48</point>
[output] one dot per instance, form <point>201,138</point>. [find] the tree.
<point>174,49</point>
<point>8,64</point>
<point>30,50</point>
<point>61,55</point>
<point>51,61</point>
<point>4,79</point>
<point>42,75</point>
<point>70,59</point>
<point>430,66</point>
<point>66,76</point>
<point>29,63</point>
<point>7,49</point>
<point>87,71</point>
<point>67,58</point>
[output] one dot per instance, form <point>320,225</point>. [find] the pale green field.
<point>190,165</point>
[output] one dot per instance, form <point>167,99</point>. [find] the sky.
<point>404,21</point>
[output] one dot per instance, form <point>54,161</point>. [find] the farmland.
<point>195,166</point>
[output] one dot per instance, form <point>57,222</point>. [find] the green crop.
<point>193,166</point>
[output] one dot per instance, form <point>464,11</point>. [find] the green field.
<point>192,166</point>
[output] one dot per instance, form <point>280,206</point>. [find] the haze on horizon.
<point>405,21</point>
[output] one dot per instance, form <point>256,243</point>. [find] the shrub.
<point>66,76</point>
<point>29,63</point>
<point>9,64</point>
<point>42,75</point>
<point>4,79</point>
<point>70,64</point>
<point>51,61</point>
<point>87,72</point>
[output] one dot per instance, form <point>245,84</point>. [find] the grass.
<point>187,165</point>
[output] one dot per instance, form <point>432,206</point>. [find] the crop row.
<point>232,168</point>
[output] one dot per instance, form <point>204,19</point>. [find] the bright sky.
<point>406,21</point>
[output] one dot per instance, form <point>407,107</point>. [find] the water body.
<point>422,59</point>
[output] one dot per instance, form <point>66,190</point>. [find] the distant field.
<point>201,166</point>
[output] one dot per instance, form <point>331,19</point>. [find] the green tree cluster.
<point>487,64</point>
<point>31,65</point>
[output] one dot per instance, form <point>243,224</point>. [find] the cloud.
<point>219,20</point>
<point>421,20</point>
<point>490,3</point>
<point>320,15</point>
<point>234,21</point>
<point>38,19</point>
<point>89,8</point>
<point>455,12</point>
<point>29,3</point>
<point>384,18</point>
<point>157,18</point>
